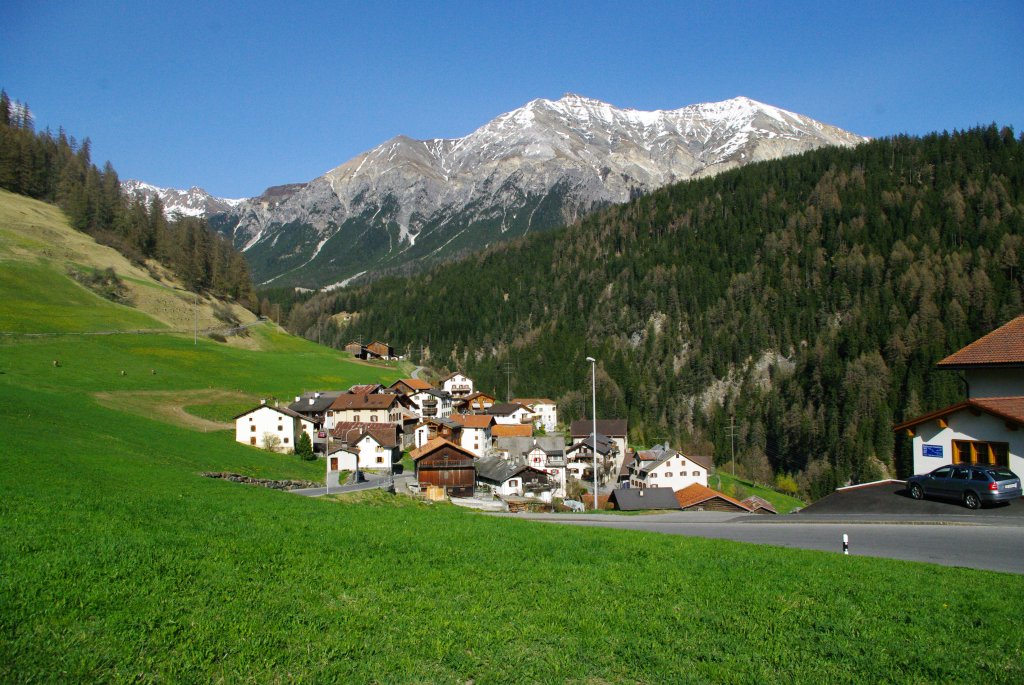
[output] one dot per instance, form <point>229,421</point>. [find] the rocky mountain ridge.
<point>192,202</point>
<point>409,202</point>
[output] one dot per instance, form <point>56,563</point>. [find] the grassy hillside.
<point>38,249</point>
<point>119,563</point>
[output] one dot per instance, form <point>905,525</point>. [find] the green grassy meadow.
<point>119,563</point>
<point>733,486</point>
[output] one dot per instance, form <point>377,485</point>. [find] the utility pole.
<point>732,441</point>
<point>508,381</point>
<point>593,444</point>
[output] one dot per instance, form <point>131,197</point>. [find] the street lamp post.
<point>593,416</point>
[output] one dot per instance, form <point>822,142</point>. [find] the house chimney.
<point>311,401</point>
<point>316,394</point>
<point>297,398</point>
<point>263,402</point>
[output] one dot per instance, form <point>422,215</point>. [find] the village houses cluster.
<point>463,442</point>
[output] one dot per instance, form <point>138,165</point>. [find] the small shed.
<point>442,464</point>
<point>640,499</point>
<point>759,505</point>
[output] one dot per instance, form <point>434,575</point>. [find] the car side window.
<point>962,474</point>
<point>942,473</point>
<point>978,475</point>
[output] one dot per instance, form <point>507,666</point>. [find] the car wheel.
<point>971,500</point>
<point>916,492</point>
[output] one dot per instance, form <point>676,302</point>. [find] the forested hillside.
<point>809,298</point>
<point>58,169</point>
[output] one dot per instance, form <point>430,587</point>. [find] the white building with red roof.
<point>987,427</point>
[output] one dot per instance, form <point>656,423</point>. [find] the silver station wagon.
<point>973,485</point>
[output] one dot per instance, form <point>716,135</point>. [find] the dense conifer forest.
<point>806,299</point>
<point>59,169</point>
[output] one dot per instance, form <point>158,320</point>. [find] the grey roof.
<point>603,447</point>
<point>707,462</point>
<point>613,427</point>
<point>496,469</point>
<point>281,410</point>
<point>504,408</point>
<point>655,457</point>
<point>520,446</point>
<point>637,499</point>
<point>319,405</point>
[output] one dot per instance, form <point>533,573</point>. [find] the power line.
<point>731,434</point>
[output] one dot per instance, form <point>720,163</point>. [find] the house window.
<point>682,473</point>
<point>977,452</point>
<point>696,473</point>
<point>513,483</point>
<point>252,441</point>
<point>380,460</point>
<point>286,441</point>
<point>355,418</point>
<point>252,429</point>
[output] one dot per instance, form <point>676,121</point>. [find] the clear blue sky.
<point>235,97</point>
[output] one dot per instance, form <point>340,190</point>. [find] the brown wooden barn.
<point>443,464</point>
<point>697,497</point>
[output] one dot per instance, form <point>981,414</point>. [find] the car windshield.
<point>1002,474</point>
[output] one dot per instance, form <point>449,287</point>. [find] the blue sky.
<point>235,97</point>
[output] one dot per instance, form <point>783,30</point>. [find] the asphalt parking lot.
<point>889,500</point>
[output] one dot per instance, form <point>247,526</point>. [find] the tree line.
<point>59,169</point>
<point>804,300</point>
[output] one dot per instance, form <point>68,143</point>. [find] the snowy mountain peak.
<point>192,202</point>
<point>533,168</point>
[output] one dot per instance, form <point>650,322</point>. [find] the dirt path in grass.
<point>169,405</point>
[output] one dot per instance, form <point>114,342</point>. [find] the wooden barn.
<point>440,463</point>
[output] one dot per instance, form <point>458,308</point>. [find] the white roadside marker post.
<point>846,544</point>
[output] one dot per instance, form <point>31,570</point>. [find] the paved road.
<point>994,546</point>
<point>370,484</point>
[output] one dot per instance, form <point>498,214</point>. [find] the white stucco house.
<point>431,403</point>
<point>476,432</point>
<point>510,414</point>
<point>457,384</point>
<point>545,412</point>
<point>378,446</point>
<point>985,428</point>
<point>663,467</point>
<point>252,427</point>
<point>366,408</point>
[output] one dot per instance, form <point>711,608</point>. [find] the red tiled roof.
<point>693,495</point>
<point>434,445</point>
<point>473,420</point>
<point>374,401</point>
<point>517,431</point>
<point>1007,408</point>
<point>1004,345</point>
<point>414,383</point>
<point>352,431</point>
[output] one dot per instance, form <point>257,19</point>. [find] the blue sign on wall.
<point>931,451</point>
